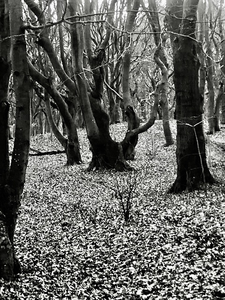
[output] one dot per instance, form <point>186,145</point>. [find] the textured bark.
<point>192,169</point>
<point>12,185</point>
<point>6,248</point>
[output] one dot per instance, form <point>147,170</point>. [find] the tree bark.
<point>222,63</point>
<point>201,55</point>
<point>210,72</point>
<point>6,247</point>
<point>12,188</point>
<point>71,146</point>
<point>163,65</point>
<point>132,118</point>
<point>192,169</point>
<point>218,101</point>
<point>106,153</point>
<point>55,130</point>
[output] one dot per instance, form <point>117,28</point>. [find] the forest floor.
<point>111,235</point>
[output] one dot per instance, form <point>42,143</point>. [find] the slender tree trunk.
<point>222,62</point>
<point>132,118</point>
<point>159,41</point>
<point>201,55</point>
<point>61,7</point>
<point>55,130</point>
<point>219,97</point>
<point>192,169</point>
<point>210,72</point>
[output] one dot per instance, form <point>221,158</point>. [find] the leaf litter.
<point>74,241</point>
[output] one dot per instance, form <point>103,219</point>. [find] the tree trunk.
<point>163,65</point>
<point>217,107</point>
<point>192,169</point>
<point>55,130</point>
<point>132,118</point>
<point>6,248</point>
<point>12,187</point>
<point>210,73</point>
<point>106,153</point>
<point>72,151</point>
<point>71,146</point>
<point>201,54</point>
<point>222,62</point>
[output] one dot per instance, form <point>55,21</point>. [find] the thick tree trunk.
<point>6,248</point>
<point>12,185</point>
<point>192,169</point>
<point>106,152</point>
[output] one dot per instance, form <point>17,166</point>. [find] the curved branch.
<point>55,130</point>
<point>46,44</point>
<point>46,83</point>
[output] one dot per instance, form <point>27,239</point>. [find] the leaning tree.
<point>192,169</point>
<point>43,40</point>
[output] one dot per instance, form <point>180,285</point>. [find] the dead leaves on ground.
<point>74,243</point>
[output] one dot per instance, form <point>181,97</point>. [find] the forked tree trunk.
<point>106,153</point>
<point>192,169</point>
